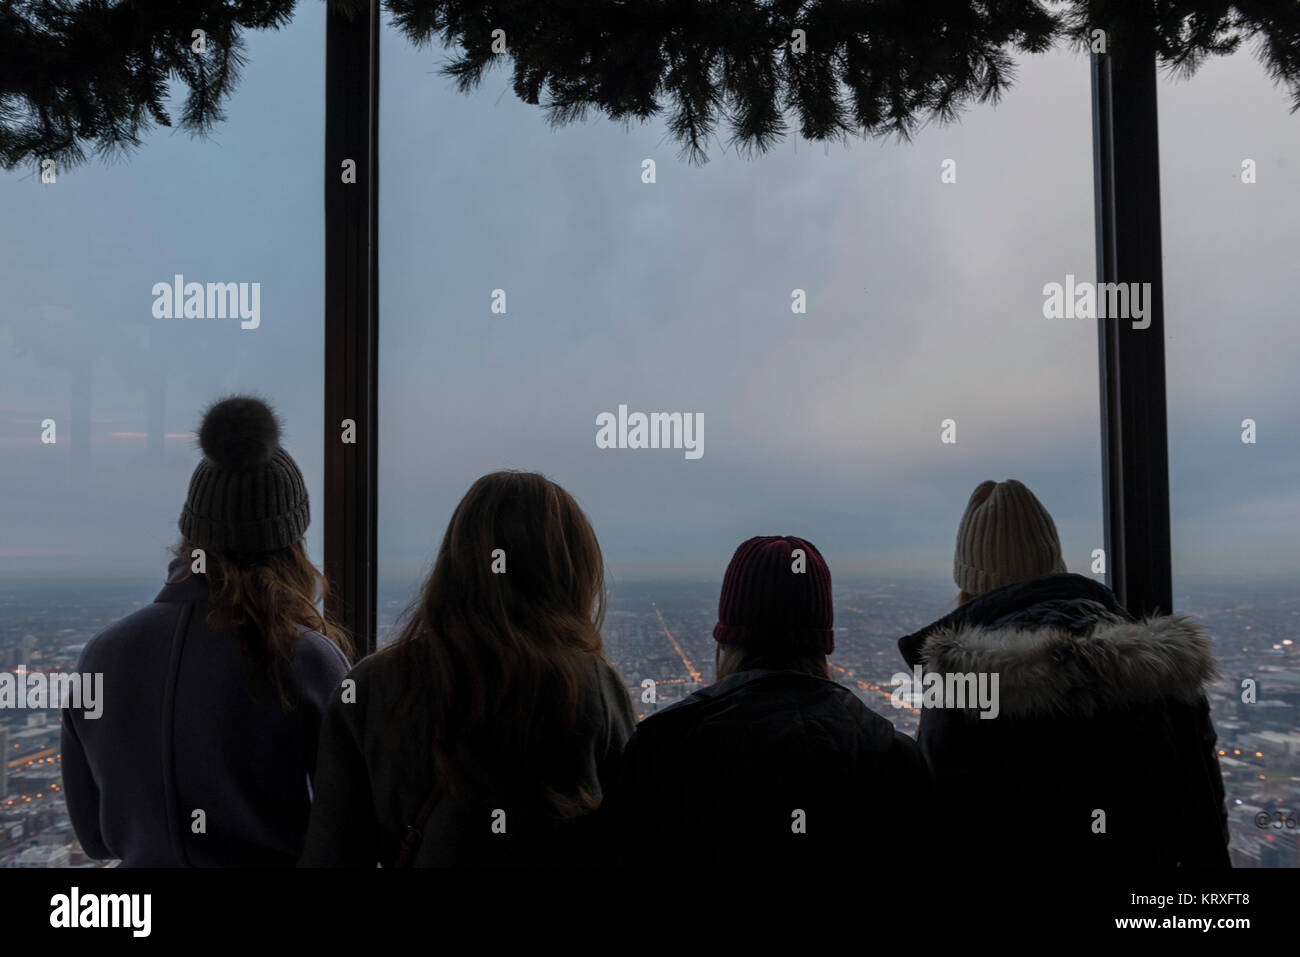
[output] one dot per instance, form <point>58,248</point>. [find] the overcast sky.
<point>924,303</point>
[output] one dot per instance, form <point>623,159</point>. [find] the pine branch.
<point>79,76</point>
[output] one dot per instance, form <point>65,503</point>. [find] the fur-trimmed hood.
<point>1050,670</point>
<point>1062,644</point>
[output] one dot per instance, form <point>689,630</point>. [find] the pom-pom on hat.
<point>775,600</point>
<point>1005,536</point>
<point>247,496</point>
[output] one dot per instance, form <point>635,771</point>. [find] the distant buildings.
<point>46,855</point>
<point>25,648</point>
<point>1259,741</point>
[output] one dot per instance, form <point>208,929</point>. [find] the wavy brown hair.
<point>266,601</point>
<point>494,663</point>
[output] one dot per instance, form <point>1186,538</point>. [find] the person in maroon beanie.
<point>774,762</point>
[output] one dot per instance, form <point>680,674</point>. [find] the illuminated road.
<point>690,665</point>
<point>868,686</point>
<point>696,676</point>
<point>18,763</point>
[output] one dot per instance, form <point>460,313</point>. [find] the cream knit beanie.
<point>1005,536</point>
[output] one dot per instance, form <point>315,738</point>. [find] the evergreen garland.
<point>94,74</point>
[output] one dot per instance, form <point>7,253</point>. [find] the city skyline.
<point>663,631</point>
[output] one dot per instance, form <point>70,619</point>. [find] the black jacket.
<point>735,771</point>
<point>1096,712</point>
<point>373,777</point>
<point>187,726</point>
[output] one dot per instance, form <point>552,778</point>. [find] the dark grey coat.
<point>782,771</point>
<point>188,726</point>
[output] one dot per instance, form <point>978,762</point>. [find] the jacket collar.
<point>182,584</point>
<point>748,676</point>
<point>1062,644</point>
<point>1053,671</point>
<point>992,607</point>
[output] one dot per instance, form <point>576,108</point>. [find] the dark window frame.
<point>1131,362</point>
<point>352,320</point>
<point>1131,367</point>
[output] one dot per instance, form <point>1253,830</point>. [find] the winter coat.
<point>374,777</point>
<point>194,762</point>
<point>777,768</point>
<point>1102,751</point>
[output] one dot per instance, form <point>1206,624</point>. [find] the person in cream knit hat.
<point>1088,708</point>
<point>1005,536</point>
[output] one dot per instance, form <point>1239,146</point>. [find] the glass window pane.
<point>1231,215</point>
<point>924,303</point>
<point>99,397</point>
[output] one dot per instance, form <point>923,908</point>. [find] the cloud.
<point>924,303</point>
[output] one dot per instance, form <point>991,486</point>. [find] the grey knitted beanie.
<point>247,496</point>
<point>1005,536</point>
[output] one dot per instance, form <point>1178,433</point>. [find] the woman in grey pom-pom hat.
<point>201,746</point>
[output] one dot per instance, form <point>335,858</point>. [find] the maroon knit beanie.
<point>775,600</point>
